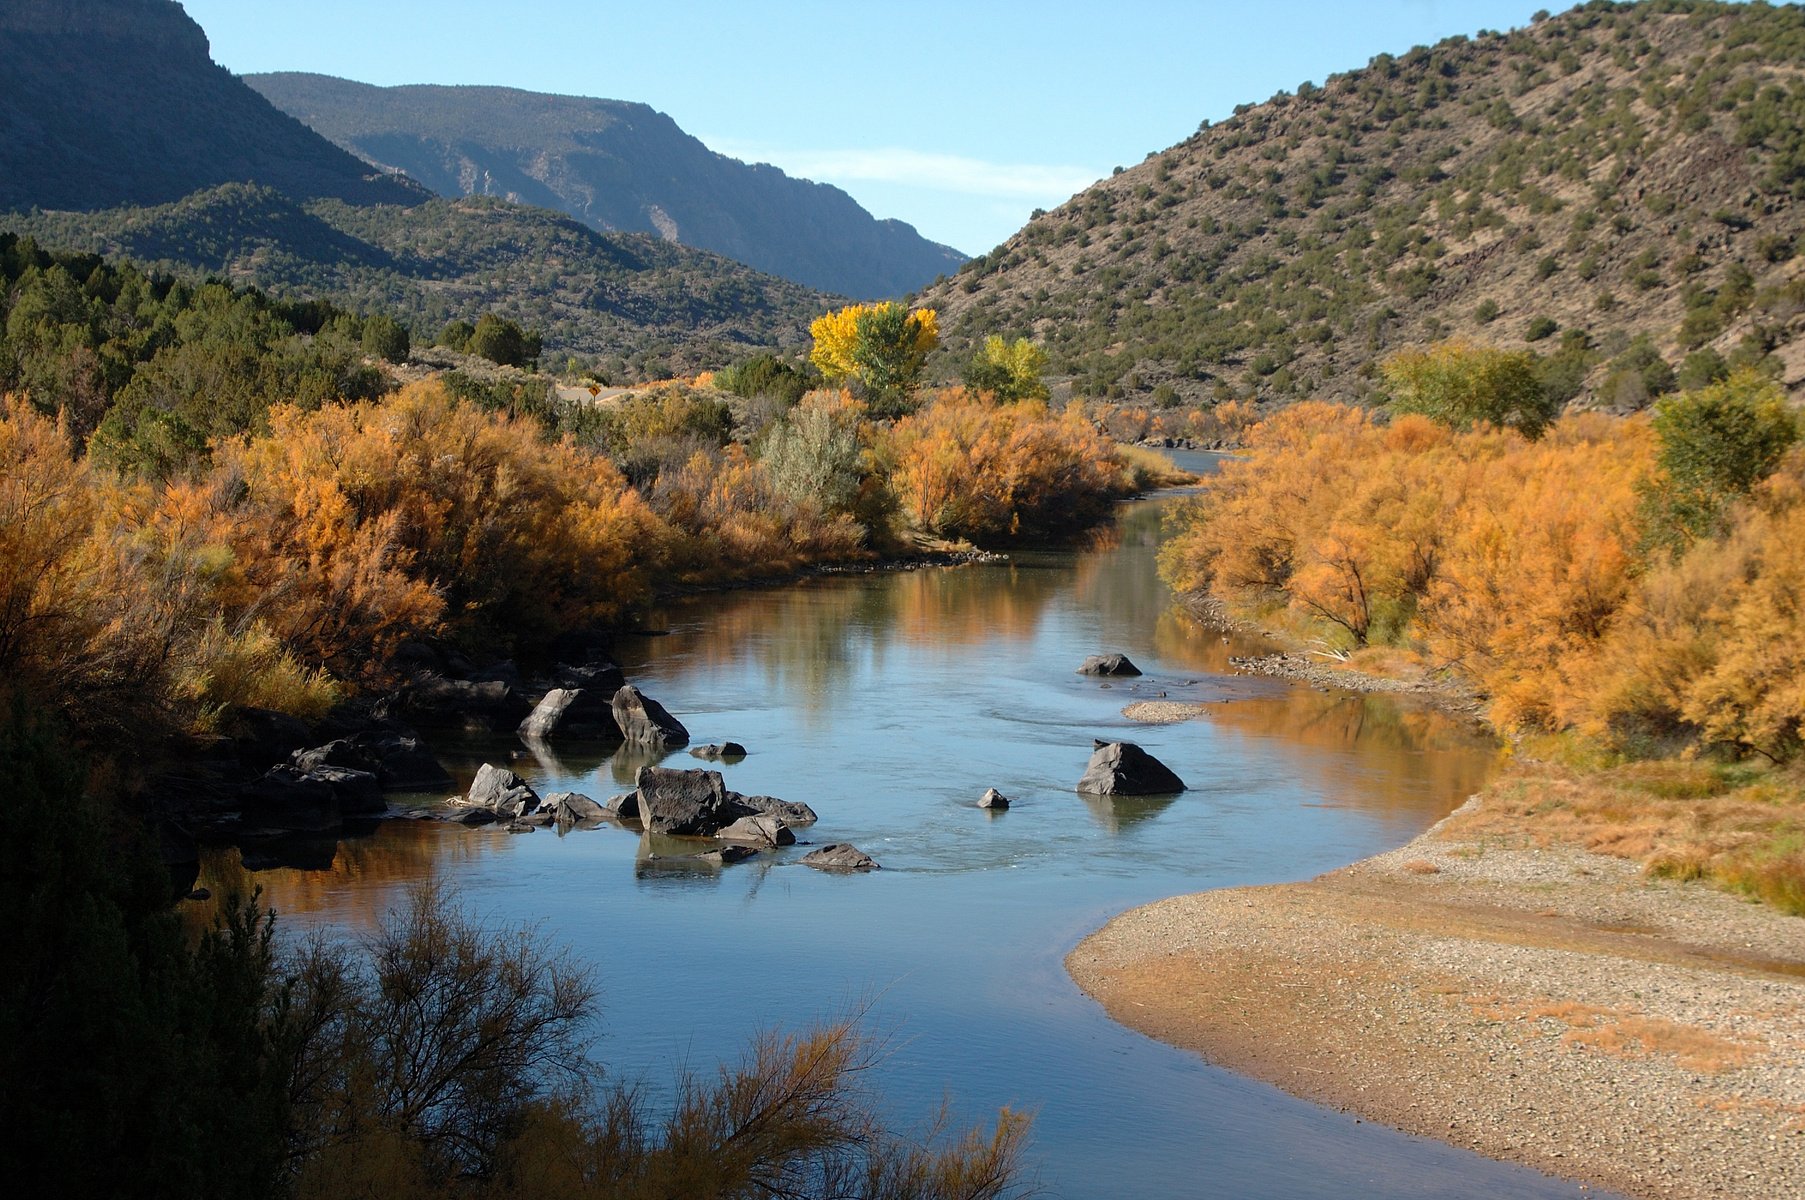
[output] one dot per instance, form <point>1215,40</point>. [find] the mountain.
<point>119,135</point>
<point>641,307</point>
<point>615,166</point>
<point>1620,184</point>
<point>110,102</point>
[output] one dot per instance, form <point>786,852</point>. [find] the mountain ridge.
<point>1625,177</point>
<point>617,165</point>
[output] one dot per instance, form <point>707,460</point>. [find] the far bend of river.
<point>889,702</point>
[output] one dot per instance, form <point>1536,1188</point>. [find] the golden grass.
<point>1737,826</point>
<point>1622,1033</point>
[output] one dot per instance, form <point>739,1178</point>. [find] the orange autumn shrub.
<point>1712,644</point>
<point>966,468</point>
<point>1506,559</point>
<point>89,621</point>
<point>726,518</point>
<point>358,525</point>
<point>1541,561</point>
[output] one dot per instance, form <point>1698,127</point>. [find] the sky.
<point>959,118</point>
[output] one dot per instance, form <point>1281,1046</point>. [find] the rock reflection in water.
<point>1116,814</point>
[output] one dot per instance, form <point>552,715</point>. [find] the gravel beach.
<point>1548,1006</point>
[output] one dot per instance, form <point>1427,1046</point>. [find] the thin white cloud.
<point>915,168</point>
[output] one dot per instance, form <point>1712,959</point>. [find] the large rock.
<point>485,705</point>
<point>579,712</point>
<point>262,737</point>
<point>1108,664</point>
<point>684,803</point>
<point>1124,769</point>
<point>762,831</point>
<point>397,761</point>
<point>840,856</point>
<point>289,800</point>
<point>501,792</point>
<point>791,812</point>
<point>643,721</point>
<point>359,793</point>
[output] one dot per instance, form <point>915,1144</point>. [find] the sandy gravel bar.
<point>1551,1007</point>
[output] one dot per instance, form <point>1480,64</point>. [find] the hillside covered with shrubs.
<point>1616,188</point>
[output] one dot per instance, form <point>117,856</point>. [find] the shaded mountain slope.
<point>111,102</point>
<point>615,166</point>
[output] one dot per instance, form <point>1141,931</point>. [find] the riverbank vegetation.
<point>213,499</point>
<point>1624,585</point>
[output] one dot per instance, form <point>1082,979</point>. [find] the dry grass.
<point>1621,1033</point>
<point>1736,825</point>
<point>1421,866</point>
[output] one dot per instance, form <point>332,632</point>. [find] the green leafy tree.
<point>1009,370</point>
<point>385,337</point>
<point>879,350</point>
<point>503,342</point>
<point>1460,384</point>
<point>1717,443</point>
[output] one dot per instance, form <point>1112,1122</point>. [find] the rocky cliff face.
<point>616,166</point>
<point>112,102</point>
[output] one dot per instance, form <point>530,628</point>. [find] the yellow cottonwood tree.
<point>879,350</point>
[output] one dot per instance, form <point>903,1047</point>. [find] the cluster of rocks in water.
<point>327,779</point>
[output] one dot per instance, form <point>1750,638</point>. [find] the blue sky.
<point>960,118</point>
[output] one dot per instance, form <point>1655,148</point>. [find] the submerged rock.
<point>841,856</point>
<point>993,799</point>
<point>719,750</point>
<point>1124,769</point>
<point>1108,664</point>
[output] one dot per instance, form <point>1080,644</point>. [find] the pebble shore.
<point>1546,1006</point>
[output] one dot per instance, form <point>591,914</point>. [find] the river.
<point>889,702</point>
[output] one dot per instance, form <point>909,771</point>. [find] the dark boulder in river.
<point>719,750</point>
<point>993,799</point>
<point>685,803</point>
<point>841,856</point>
<point>1108,664</point>
<point>793,813</point>
<point>643,721</point>
<point>1124,769</point>
<point>290,799</point>
<point>397,761</point>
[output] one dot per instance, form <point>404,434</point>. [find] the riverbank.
<point>1538,1004</point>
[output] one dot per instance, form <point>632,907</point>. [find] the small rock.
<point>719,750</point>
<point>993,799</point>
<point>624,805</point>
<point>762,831</point>
<point>568,808</point>
<point>727,855</point>
<point>1108,664</point>
<point>840,856</point>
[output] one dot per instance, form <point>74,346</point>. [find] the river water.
<point>889,702</point>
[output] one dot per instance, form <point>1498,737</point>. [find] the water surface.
<point>889,703</point>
